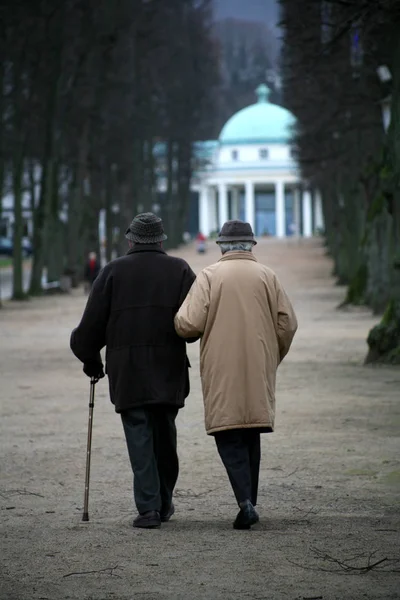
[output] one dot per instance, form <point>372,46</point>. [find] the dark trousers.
<point>151,439</point>
<point>240,451</point>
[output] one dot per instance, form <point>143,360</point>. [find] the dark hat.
<point>236,231</point>
<point>146,228</point>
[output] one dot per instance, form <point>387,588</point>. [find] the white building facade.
<point>249,174</point>
<point>253,176</point>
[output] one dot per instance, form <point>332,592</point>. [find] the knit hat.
<point>236,231</point>
<point>146,228</point>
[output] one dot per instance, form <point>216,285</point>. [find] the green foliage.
<point>345,151</point>
<point>389,314</point>
<point>393,356</point>
<point>386,172</point>
<point>5,262</point>
<point>18,295</point>
<point>384,338</point>
<point>357,287</point>
<point>396,260</point>
<point>377,207</point>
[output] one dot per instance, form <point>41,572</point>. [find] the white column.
<point>222,203</point>
<point>307,215</point>
<point>318,212</point>
<point>296,211</point>
<point>235,203</point>
<point>212,203</point>
<point>30,227</point>
<point>280,212</point>
<point>204,213</point>
<point>249,209</point>
<point>9,228</point>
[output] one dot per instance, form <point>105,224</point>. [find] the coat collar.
<point>145,248</point>
<point>238,255</point>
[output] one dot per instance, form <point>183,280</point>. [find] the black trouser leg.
<point>254,449</point>
<point>233,450</point>
<point>138,427</point>
<point>166,453</point>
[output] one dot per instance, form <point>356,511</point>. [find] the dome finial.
<point>263,92</point>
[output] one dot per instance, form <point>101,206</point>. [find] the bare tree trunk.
<point>92,205</point>
<point>384,339</point>
<point>2,150</point>
<point>40,224</point>
<point>18,288</point>
<point>75,211</point>
<point>184,179</point>
<point>55,243</point>
<point>110,187</point>
<point>170,206</point>
<point>125,215</point>
<point>42,212</point>
<point>32,186</point>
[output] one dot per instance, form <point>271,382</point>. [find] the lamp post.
<point>386,106</point>
<point>385,77</point>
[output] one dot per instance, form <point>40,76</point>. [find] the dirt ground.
<point>330,480</point>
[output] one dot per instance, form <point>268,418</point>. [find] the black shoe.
<point>167,514</point>
<point>148,520</point>
<point>246,517</point>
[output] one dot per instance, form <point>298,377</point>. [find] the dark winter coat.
<point>131,311</point>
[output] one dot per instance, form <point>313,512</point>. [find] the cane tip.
<point>85,517</point>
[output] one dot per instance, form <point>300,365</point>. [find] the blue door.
<point>289,209</point>
<point>265,213</point>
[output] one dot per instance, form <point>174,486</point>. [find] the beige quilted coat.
<point>246,323</point>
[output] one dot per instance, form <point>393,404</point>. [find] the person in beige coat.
<point>246,323</point>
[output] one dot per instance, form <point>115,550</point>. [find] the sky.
<point>252,10</point>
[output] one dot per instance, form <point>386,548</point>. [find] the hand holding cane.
<point>85,516</point>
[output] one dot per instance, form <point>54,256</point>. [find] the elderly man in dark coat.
<point>131,311</point>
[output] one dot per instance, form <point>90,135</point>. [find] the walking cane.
<point>85,516</point>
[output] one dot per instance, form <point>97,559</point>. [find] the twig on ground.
<point>190,494</point>
<point>345,566</point>
<point>309,512</point>
<point>106,571</point>
<point>9,493</point>
<point>291,473</point>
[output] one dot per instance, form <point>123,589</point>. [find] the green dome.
<point>262,122</point>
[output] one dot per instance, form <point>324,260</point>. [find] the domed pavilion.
<point>252,175</point>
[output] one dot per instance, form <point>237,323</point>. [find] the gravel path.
<point>330,480</point>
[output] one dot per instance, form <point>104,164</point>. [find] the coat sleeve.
<point>190,321</point>
<point>188,279</point>
<point>287,321</point>
<point>90,336</point>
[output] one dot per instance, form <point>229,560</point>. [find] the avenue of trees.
<point>248,57</point>
<point>88,90</point>
<point>100,99</point>
<point>341,66</point>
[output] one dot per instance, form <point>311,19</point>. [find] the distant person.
<point>247,324</point>
<point>92,269</point>
<point>131,311</point>
<point>201,243</point>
